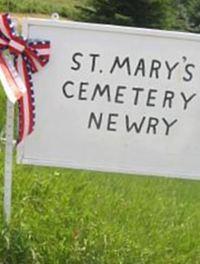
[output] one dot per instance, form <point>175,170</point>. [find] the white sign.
<point>116,99</point>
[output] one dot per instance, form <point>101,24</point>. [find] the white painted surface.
<point>62,138</point>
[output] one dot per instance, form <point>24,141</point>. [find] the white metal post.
<point>8,161</point>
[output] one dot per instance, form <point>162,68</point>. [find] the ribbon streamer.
<point>28,56</point>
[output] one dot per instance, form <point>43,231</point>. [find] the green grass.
<point>67,216</point>
<point>66,8</point>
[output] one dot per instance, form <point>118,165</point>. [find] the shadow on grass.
<point>15,247</point>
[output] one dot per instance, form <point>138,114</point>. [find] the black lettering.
<point>65,87</point>
<point>97,121</point>
<point>111,122</point>
<point>187,100</point>
<point>188,72</point>
<point>78,64</point>
<point>140,67</point>
<point>153,122</point>
<point>119,64</point>
<point>101,91</point>
<point>169,96</point>
<point>170,69</point>
<point>168,125</point>
<point>94,59</point>
<point>82,91</point>
<point>137,127</point>
<point>137,90</point>
<point>151,97</point>
<point>155,67</point>
<point>119,94</point>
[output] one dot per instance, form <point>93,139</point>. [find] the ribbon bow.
<point>28,57</point>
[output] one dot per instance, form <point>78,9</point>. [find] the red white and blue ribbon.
<point>28,57</point>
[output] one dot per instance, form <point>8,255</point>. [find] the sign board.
<point>116,99</point>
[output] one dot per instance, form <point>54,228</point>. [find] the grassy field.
<point>67,216</point>
<point>76,217</point>
<point>66,8</point>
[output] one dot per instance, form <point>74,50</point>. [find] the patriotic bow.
<point>28,57</point>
